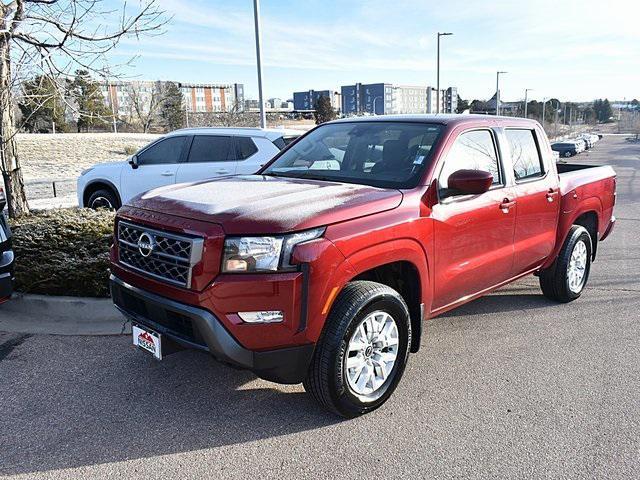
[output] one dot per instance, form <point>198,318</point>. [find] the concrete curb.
<point>43,314</point>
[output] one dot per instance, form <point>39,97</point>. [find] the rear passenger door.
<point>209,156</point>
<point>537,195</point>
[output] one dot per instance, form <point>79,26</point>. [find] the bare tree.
<point>146,102</point>
<point>54,38</point>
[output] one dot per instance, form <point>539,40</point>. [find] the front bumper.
<point>198,328</point>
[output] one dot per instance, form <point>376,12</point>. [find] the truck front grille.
<point>161,255</point>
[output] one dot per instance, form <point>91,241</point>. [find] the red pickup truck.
<point>322,267</point>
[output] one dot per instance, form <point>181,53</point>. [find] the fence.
<point>50,188</point>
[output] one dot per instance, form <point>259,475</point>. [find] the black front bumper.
<point>197,328</point>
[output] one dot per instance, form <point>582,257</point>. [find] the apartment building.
<point>387,98</point>
<point>124,96</point>
<point>448,100</point>
<point>307,100</point>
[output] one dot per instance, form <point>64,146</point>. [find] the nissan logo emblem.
<point>146,244</point>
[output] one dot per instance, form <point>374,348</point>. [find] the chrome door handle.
<point>551,195</point>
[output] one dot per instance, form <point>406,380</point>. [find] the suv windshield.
<point>380,154</point>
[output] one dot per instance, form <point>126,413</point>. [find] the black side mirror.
<point>133,161</point>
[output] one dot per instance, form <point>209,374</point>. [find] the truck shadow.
<point>501,302</point>
<point>109,403</point>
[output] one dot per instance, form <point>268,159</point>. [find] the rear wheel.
<point>103,198</point>
<point>363,351</point>
<point>565,280</point>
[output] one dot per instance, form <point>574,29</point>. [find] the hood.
<point>263,204</point>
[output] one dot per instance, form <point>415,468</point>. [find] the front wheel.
<point>103,198</point>
<point>363,351</point>
<point>568,154</point>
<point>565,280</point>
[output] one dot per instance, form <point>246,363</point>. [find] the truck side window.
<point>525,155</point>
<point>211,148</point>
<point>168,150</point>
<point>475,150</point>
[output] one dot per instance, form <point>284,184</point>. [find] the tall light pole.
<point>374,105</point>
<point>256,17</point>
<point>444,34</point>
<point>526,100</point>
<point>498,91</point>
<point>544,103</point>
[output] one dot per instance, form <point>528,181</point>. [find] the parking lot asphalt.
<point>508,386</point>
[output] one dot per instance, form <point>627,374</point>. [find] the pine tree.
<point>89,100</point>
<point>324,110</point>
<point>172,111</point>
<point>41,106</point>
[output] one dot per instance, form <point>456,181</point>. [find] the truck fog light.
<point>269,316</point>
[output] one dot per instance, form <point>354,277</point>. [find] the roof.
<point>443,118</point>
<point>270,133</point>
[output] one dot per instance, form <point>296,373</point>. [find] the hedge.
<point>63,252</point>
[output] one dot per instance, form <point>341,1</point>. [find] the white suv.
<point>181,156</point>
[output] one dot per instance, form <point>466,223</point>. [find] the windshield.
<point>380,154</point>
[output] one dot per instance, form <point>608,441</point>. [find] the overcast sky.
<point>574,50</point>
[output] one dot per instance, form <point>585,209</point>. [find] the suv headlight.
<point>264,254</point>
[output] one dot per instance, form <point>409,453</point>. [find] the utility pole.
<point>526,100</point>
<point>438,71</point>
<point>544,104</point>
<point>498,92</point>
<point>256,16</point>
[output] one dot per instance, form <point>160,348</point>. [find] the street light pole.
<point>438,71</point>
<point>498,92</point>
<point>526,100</point>
<point>374,105</point>
<point>256,16</point>
<point>544,103</point>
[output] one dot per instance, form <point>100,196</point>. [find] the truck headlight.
<point>264,254</point>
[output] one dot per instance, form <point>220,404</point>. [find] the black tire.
<point>326,379</point>
<point>554,281</point>
<point>103,198</point>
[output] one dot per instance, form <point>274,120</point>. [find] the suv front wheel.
<point>363,351</point>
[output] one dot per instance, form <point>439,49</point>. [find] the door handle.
<point>551,195</point>
<point>506,205</point>
<point>167,174</point>
<point>222,171</point>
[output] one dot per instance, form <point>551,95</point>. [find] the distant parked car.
<point>6,254</point>
<point>187,155</point>
<point>566,149</point>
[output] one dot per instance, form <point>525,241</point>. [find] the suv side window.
<point>525,155</point>
<point>474,150</point>
<point>168,150</point>
<point>245,148</point>
<point>211,148</point>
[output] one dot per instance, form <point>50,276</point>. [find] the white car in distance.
<point>186,155</point>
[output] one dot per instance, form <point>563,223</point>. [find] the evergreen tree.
<point>462,105</point>
<point>41,106</point>
<point>172,110</point>
<point>324,110</point>
<point>92,110</point>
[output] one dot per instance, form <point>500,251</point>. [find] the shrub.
<point>130,149</point>
<point>63,252</point>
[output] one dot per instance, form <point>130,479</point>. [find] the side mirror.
<point>467,182</point>
<point>133,161</point>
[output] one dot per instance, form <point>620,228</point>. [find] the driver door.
<point>474,234</point>
<point>157,167</point>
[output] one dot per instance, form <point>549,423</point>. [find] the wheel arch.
<point>402,265</point>
<point>97,184</point>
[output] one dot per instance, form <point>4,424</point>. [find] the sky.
<point>571,50</point>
